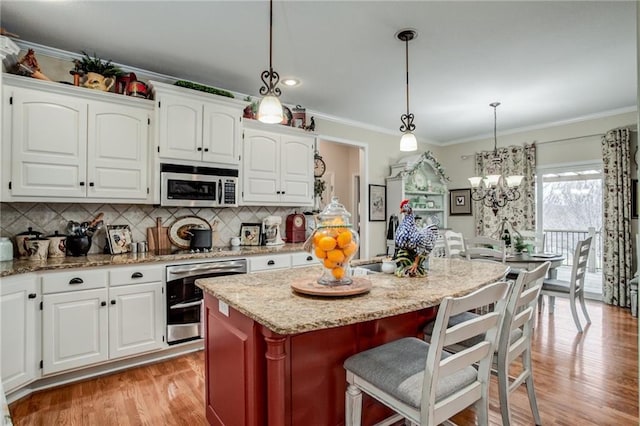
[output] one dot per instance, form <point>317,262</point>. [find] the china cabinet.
<point>419,179</point>
<point>73,143</point>
<point>277,167</point>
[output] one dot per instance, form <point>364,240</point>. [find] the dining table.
<point>530,261</point>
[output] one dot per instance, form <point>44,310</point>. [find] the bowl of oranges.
<point>334,243</point>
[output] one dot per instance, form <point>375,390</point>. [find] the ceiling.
<point>546,62</point>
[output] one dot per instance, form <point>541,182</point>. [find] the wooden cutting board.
<point>162,232</point>
<point>158,237</point>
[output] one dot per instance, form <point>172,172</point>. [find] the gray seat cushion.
<point>397,368</point>
<point>555,285</point>
<point>462,317</point>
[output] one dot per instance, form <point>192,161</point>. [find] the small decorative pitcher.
<point>97,81</point>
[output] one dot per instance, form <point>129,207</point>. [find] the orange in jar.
<point>327,243</point>
<point>320,254</point>
<point>329,264</point>
<point>344,238</point>
<point>350,248</point>
<point>338,272</point>
<point>336,255</point>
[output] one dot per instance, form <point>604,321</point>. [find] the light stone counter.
<point>24,266</point>
<point>267,297</point>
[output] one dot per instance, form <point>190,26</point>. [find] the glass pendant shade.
<point>270,110</point>
<point>513,181</point>
<point>475,181</point>
<point>408,142</point>
<point>492,180</point>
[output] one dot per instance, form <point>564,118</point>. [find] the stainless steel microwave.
<point>191,186</point>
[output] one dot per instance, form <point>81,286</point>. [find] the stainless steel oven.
<point>191,186</point>
<point>185,304</point>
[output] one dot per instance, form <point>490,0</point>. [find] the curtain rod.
<point>465,156</point>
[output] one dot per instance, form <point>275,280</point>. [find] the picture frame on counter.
<point>460,202</point>
<point>119,238</point>
<point>250,234</point>
<point>377,203</point>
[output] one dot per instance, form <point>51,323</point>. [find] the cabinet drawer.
<point>303,259</point>
<point>58,282</point>
<point>136,274</point>
<point>266,263</point>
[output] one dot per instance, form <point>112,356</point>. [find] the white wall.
<point>577,150</point>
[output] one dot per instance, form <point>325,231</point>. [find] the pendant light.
<point>270,109</point>
<point>408,141</point>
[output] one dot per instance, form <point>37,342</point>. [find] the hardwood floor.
<point>581,379</point>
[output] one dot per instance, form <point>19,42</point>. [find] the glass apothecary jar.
<point>335,242</point>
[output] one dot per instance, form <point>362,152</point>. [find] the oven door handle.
<point>186,305</point>
<point>204,269</point>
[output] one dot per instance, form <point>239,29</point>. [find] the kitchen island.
<point>275,357</point>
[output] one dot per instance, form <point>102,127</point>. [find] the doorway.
<point>345,166</point>
<point>570,209</point>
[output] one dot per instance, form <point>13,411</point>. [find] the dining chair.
<point>485,248</point>
<point>514,341</point>
<point>423,383</point>
<point>574,288</point>
<point>453,243</point>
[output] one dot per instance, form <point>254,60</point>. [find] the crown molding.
<point>589,117</point>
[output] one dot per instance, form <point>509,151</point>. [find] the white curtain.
<point>519,214</point>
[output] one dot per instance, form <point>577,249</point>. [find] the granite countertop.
<point>23,266</point>
<point>267,297</point>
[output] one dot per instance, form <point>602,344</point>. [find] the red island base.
<point>257,377</point>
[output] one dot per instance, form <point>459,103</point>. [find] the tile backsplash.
<point>50,217</point>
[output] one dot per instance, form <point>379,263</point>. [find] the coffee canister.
<point>57,245</point>
<point>6,249</point>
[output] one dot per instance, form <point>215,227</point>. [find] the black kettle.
<point>199,238</point>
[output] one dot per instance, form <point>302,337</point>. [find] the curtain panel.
<point>519,214</point>
<point>617,244</point>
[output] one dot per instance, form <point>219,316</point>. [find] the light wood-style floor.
<point>581,379</point>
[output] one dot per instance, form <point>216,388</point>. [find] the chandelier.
<point>408,141</point>
<point>270,109</point>
<point>495,190</point>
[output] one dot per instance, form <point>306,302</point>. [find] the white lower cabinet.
<point>92,316</point>
<point>74,329</point>
<point>20,328</point>
<point>135,319</point>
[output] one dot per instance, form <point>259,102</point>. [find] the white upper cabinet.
<point>277,168</point>
<point>73,143</point>
<point>196,126</point>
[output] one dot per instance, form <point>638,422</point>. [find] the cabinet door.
<point>49,142</point>
<point>74,329</point>
<point>135,319</point>
<point>296,170</point>
<point>20,328</point>
<point>117,151</point>
<point>261,168</point>
<point>220,133</point>
<point>180,128</point>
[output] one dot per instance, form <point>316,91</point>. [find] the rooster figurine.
<point>413,244</point>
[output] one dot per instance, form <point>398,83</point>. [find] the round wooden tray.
<point>358,286</point>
